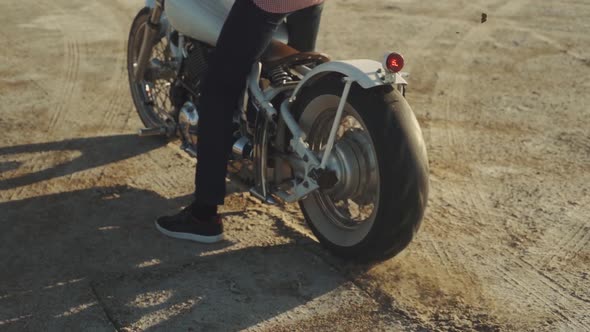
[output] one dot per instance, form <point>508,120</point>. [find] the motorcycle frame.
<point>365,73</point>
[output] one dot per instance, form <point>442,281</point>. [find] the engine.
<point>186,97</point>
<point>195,65</point>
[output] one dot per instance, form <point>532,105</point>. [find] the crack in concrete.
<point>105,309</point>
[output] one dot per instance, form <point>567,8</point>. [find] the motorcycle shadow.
<point>71,257</point>
<point>69,156</point>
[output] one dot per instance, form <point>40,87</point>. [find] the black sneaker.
<point>186,227</point>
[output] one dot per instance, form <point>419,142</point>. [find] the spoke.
<point>160,89</point>
<point>350,212</point>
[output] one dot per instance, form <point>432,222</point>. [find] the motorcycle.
<point>338,137</point>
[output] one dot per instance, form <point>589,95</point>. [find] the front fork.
<point>151,30</point>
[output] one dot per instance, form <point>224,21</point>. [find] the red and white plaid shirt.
<point>285,6</point>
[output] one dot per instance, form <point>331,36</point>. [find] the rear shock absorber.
<point>280,76</point>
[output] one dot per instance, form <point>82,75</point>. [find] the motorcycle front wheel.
<point>151,97</point>
<point>380,159</point>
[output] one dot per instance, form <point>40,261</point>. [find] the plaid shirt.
<point>285,6</point>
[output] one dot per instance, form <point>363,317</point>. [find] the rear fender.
<point>367,73</point>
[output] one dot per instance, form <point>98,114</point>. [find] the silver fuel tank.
<point>203,19</point>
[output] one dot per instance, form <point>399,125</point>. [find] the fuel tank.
<point>203,19</point>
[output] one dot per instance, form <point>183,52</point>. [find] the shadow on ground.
<point>68,258</point>
<point>92,259</point>
<point>95,152</point>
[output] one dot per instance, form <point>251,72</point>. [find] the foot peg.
<point>267,200</point>
<point>156,131</point>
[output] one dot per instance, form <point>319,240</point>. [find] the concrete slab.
<point>275,288</point>
<point>54,246</point>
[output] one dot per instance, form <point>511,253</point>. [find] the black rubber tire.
<point>146,113</point>
<point>403,167</point>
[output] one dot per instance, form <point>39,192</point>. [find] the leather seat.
<point>281,54</point>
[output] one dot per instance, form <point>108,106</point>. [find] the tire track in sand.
<point>117,103</point>
<point>62,98</point>
<point>116,107</point>
<point>425,38</point>
<point>451,258</point>
<point>571,243</point>
<point>535,291</point>
<point>72,68</point>
<point>71,64</point>
<point>526,279</point>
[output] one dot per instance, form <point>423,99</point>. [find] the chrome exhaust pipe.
<point>242,148</point>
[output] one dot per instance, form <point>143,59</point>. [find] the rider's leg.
<point>244,37</point>
<point>303,27</point>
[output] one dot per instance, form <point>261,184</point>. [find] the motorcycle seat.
<point>279,54</point>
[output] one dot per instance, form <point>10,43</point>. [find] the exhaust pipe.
<point>242,148</point>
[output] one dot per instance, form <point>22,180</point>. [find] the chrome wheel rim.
<point>346,213</point>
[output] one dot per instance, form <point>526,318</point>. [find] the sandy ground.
<point>506,240</point>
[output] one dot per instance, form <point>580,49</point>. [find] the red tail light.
<point>394,62</point>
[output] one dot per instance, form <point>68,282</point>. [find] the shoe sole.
<point>190,237</point>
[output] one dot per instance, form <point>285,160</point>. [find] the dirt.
<point>505,244</point>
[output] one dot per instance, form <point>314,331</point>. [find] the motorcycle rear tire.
<point>403,170</point>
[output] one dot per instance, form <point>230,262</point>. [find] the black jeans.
<point>245,35</point>
<point>303,27</point>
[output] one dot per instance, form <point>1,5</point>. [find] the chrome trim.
<point>271,93</point>
<point>239,147</point>
<point>256,92</point>
<point>188,123</point>
<point>260,155</point>
<point>301,149</point>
